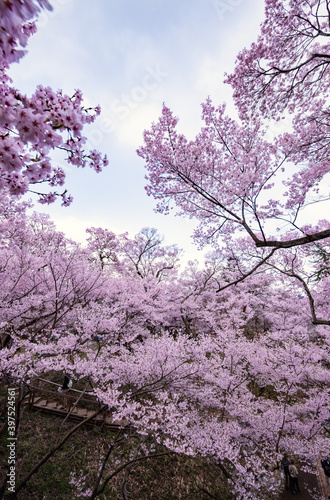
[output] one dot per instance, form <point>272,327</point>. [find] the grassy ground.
<point>171,477</point>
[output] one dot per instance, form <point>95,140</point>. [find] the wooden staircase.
<point>51,402</point>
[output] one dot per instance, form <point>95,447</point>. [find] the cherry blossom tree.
<point>147,256</point>
<point>305,268</point>
<point>284,76</point>
<point>44,275</point>
<point>31,127</point>
<point>144,255</point>
<point>231,176</point>
<point>103,246</point>
<point>226,178</point>
<point>288,66</point>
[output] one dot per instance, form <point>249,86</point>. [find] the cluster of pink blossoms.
<point>31,127</point>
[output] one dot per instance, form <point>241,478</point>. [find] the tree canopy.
<point>226,360</point>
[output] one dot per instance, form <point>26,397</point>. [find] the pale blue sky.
<point>130,56</point>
